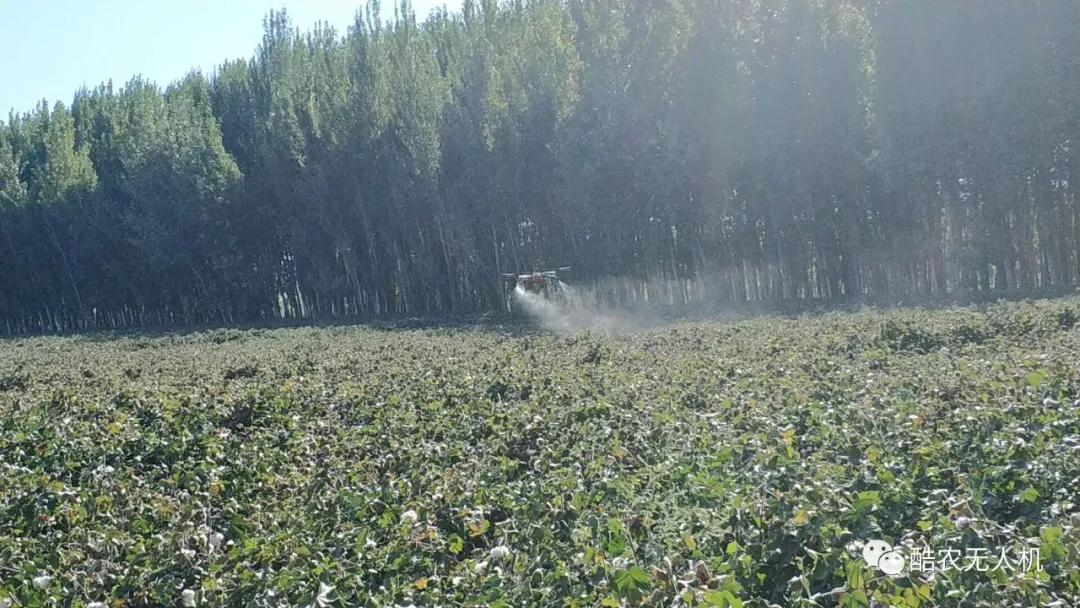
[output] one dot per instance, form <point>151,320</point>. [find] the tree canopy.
<point>702,150</point>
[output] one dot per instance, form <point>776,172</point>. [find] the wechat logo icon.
<point>880,554</point>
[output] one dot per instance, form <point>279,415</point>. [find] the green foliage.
<point>64,172</point>
<point>790,153</point>
<point>365,467</point>
<point>12,189</point>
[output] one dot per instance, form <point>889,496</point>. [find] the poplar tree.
<point>782,153</point>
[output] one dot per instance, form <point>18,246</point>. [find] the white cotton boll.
<point>5,603</point>
<point>481,566</point>
<point>187,598</point>
<point>215,539</point>
<point>410,516</point>
<point>43,581</point>
<point>498,553</point>
<point>96,605</point>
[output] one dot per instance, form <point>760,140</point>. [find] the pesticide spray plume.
<point>571,310</point>
<point>621,304</point>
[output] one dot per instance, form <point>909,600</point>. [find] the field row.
<point>701,464</point>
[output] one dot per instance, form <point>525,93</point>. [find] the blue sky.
<point>53,47</point>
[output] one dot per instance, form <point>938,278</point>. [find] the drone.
<point>544,283</point>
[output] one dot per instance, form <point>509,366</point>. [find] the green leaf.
<point>480,528</point>
<point>715,598</point>
<point>633,580</point>
<point>1036,378</point>
<point>689,541</point>
<point>641,577</point>
<point>867,500</point>
<point>1051,535</point>
<point>724,599</point>
<point>615,526</point>
<point>855,599</point>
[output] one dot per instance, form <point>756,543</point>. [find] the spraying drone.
<point>544,283</point>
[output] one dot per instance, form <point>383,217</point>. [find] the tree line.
<point>698,150</point>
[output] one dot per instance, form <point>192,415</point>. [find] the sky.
<point>54,47</point>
